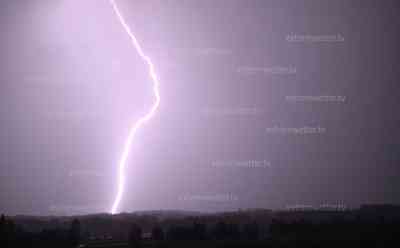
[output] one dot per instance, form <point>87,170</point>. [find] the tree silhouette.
<point>226,231</point>
<point>251,231</point>
<point>2,230</point>
<point>75,232</point>
<point>135,236</point>
<point>157,233</point>
<point>199,231</point>
<point>7,232</point>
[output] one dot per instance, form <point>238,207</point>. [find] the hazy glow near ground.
<point>142,120</point>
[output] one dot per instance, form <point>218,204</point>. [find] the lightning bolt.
<point>142,120</point>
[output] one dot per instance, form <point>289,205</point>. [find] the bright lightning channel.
<point>141,121</point>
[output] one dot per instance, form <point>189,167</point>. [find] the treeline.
<point>297,233</point>
<point>12,235</point>
<point>335,233</point>
<point>200,231</point>
<point>366,228</point>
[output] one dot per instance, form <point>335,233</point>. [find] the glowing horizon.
<point>142,120</point>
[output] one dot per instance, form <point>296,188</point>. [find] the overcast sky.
<point>240,81</point>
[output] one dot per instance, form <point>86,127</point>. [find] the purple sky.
<point>225,136</point>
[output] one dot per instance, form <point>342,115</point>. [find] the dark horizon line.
<point>189,213</point>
